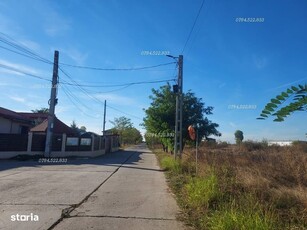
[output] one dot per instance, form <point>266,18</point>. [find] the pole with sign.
<point>194,136</point>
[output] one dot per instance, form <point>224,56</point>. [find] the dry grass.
<point>276,176</point>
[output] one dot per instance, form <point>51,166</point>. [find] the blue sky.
<point>225,62</point>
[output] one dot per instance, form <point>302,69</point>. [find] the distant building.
<point>280,143</point>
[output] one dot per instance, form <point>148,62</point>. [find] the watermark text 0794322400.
<point>160,134</point>
<point>52,160</point>
<point>155,52</point>
<point>242,106</point>
<point>249,20</point>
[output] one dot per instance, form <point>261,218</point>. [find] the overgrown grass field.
<point>247,186</point>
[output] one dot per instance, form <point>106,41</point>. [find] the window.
<point>86,141</point>
<point>72,141</point>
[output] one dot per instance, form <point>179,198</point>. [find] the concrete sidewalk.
<point>123,190</point>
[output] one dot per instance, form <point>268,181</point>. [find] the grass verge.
<point>240,188</point>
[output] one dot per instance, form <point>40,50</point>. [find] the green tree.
<point>160,116</point>
<point>83,128</point>
<point>121,123</point>
<point>74,125</point>
<point>41,110</point>
<point>131,136</point>
<point>277,108</point>
<point>128,134</point>
<point>239,136</point>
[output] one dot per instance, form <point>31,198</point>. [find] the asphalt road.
<point>122,190</point>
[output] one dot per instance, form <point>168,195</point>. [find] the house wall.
<point>33,144</point>
<point>15,127</point>
<point>7,126</point>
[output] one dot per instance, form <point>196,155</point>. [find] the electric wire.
<point>119,85</point>
<point>194,23</point>
<point>206,12</point>
<point>70,98</point>
<point>13,43</point>
<point>117,69</point>
<point>75,97</point>
<point>118,110</point>
<point>80,87</point>
<point>22,72</point>
<point>26,52</point>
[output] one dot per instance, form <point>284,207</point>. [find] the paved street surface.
<point>122,190</point>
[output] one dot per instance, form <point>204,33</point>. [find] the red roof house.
<point>59,127</point>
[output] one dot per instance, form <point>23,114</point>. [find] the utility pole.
<point>52,103</point>
<point>104,117</point>
<point>179,109</point>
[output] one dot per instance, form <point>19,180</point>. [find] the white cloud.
<point>76,55</point>
<point>23,68</point>
<point>7,26</point>
<point>56,24</point>
<point>18,99</point>
<point>116,99</point>
<point>30,44</point>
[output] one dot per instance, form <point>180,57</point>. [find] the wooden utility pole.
<point>52,103</point>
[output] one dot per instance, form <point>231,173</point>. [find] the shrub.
<point>202,192</point>
<point>252,145</point>
<point>300,146</point>
<point>238,219</point>
<point>244,212</point>
<point>170,164</point>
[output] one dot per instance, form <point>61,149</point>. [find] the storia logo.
<point>18,217</point>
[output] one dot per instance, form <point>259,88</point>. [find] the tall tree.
<point>128,134</point>
<point>74,126</point>
<point>121,123</point>
<point>160,116</point>
<point>239,136</point>
<point>277,107</point>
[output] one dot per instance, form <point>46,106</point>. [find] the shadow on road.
<point>128,157</point>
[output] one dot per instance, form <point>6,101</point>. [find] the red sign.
<point>192,132</point>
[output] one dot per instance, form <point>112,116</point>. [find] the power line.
<point>117,69</point>
<point>29,53</point>
<point>194,23</point>
<point>96,99</point>
<point>26,52</point>
<point>22,54</point>
<point>22,72</point>
<point>75,97</point>
<point>206,11</point>
<point>80,87</point>
<point>70,98</point>
<point>124,112</point>
<point>119,85</point>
